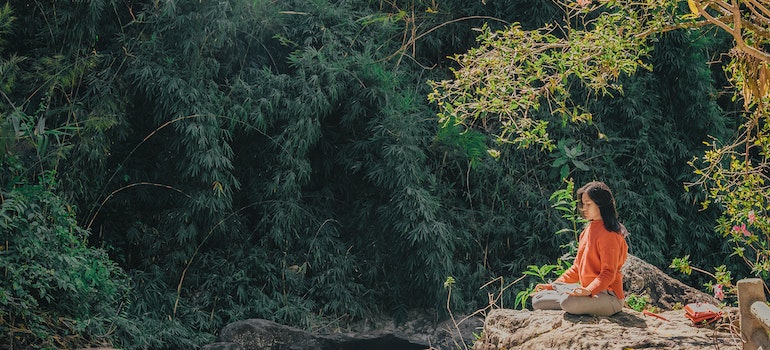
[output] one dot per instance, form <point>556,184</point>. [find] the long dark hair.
<point>601,194</point>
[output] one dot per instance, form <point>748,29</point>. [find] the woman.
<point>593,284</point>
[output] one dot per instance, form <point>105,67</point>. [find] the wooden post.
<point>751,290</point>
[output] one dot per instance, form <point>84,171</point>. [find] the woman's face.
<point>590,209</point>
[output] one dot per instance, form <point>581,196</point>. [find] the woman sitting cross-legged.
<point>593,284</point>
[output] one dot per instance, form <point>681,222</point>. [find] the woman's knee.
<point>546,300</point>
<point>603,305</point>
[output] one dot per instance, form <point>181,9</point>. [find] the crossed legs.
<point>602,304</point>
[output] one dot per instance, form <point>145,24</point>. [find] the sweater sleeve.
<point>609,260</point>
<point>570,276</point>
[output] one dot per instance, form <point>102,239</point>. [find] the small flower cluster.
<point>718,293</point>
<point>751,217</point>
<point>742,229</point>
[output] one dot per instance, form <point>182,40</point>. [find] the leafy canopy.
<point>514,73</point>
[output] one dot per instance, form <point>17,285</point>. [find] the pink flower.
<point>718,293</point>
<point>742,229</point>
<point>752,217</point>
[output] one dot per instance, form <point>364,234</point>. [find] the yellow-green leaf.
<point>693,7</point>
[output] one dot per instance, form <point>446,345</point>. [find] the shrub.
<point>56,291</point>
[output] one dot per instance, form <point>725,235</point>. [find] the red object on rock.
<point>702,312</point>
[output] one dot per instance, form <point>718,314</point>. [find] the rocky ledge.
<point>518,329</point>
<point>546,329</point>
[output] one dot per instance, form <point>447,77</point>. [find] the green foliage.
<point>629,138</point>
<point>522,297</point>
<point>513,72</point>
<point>565,202</point>
<point>472,142</point>
<point>56,292</point>
<point>567,156</point>
<point>736,182</point>
<point>279,160</point>
<point>638,302</point>
<point>682,264</point>
<point>540,273</point>
<point>720,282</point>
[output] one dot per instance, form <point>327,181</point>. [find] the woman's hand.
<point>543,286</point>
<point>580,292</point>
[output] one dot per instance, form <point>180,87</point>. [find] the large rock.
<point>259,334</point>
<point>550,329</point>
<point>641,278</point>
<point>629,329</point>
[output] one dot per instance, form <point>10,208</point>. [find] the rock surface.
<point>549,329</point>
<point>264,334</point>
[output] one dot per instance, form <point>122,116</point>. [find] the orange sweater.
<point>600,256</point>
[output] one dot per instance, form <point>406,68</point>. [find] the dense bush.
<point>56,291</point>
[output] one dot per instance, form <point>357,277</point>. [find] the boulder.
<point>629,329</point>
<point>641,278</point>
<point>259,334</point>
